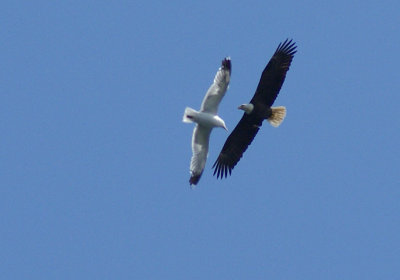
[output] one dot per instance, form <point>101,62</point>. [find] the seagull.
<point>206,119</point>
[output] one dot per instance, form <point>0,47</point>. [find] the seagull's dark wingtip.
<point>194,179</point>
<point>226,63</point>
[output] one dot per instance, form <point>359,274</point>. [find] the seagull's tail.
<point>277,116</point>
<point>189,115</point>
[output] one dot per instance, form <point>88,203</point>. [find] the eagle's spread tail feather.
<point>188,115</point>
<point>277,116</point>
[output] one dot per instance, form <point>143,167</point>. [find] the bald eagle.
<point>258,110</point>
<point>206,119</point>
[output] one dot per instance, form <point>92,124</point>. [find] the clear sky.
<point>94,157</point>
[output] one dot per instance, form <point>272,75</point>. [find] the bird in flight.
<point>258,110</point>
<point>206,119</point>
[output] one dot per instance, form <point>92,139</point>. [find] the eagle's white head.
<point>248,108</point>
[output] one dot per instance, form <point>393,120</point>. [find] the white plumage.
<point>206,119</point>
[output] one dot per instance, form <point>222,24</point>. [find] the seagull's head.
<point>224,127</point>
<point>222,124</point>
<point>248,108</point>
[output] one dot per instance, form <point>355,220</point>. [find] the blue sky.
<point>94,164</point>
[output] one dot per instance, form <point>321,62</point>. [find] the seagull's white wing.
<point>218,88</point>
<point>200,139</point>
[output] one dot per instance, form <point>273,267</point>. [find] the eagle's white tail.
<point>189,115</point>
<point>278,115</point>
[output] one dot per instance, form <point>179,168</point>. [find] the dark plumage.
<point>258,110</point>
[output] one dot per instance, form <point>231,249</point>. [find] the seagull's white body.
<point>206,119</point>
